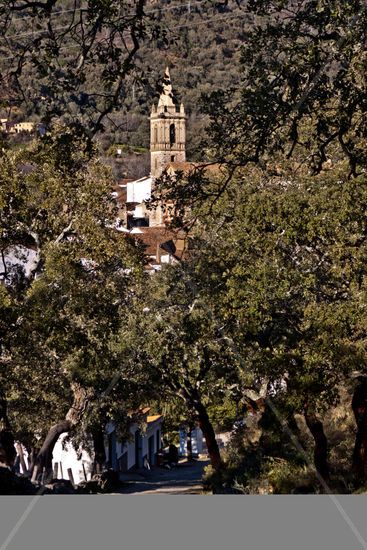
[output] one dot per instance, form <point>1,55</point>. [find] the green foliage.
<point>223,414</point>
<point>280,264</point>
<point>284,269</point>
<point>271,300</point>
<point>57,88</point>
<point>60,318</point>
<point>305,95</point>
<point>272,465</point>
<point>177,337</point>
<point>75,61</point>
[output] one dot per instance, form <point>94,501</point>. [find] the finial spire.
<point>166,96</point>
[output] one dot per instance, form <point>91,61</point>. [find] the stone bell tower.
<point>167,130</point>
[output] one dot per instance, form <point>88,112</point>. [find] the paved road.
<point>183,480</point>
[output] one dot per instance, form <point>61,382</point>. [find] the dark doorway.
<point>112,458</point>
<point>138,450</point>
<point>151,450</point>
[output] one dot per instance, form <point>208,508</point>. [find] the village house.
<point>140,449</point>
<point>24,127</point>
<point>197,444</point>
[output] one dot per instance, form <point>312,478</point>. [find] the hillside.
<point>199,40</point>
<point>203,54</point>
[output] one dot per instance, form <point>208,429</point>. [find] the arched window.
<point>172,134</point>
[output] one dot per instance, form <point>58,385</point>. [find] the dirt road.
<point>183,480</point>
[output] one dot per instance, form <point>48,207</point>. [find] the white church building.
<point>167,146</point>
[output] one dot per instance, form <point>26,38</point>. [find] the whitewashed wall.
<point>139,190</point>
<point>196,442</point>
<point>68,458</point>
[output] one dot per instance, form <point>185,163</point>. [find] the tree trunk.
<point>316,428</point>
<point>209,434</point>
<point>99,451</point>
<point>7,449</point>
<point>359,405</point>
<point>32,457</point>
<point>44,458</point>
<point>19,449</point>
<point>359,453</point>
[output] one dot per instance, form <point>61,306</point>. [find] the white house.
<point>137,451</point>
<point>137,192</point>
<point>66,459</point>
<point>140,449</point>
<point>197,444</point>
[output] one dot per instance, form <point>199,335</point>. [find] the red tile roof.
<point>154,418</point>
<point>175,241</point>
<point>143,410</point>
<point>188,167</point>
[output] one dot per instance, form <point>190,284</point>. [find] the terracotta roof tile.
<point>143,410</point>
<point>188,167</point>
<point>174,242</point>
<point>154,418</point>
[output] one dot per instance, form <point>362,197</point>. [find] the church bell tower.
<point>167,130</point>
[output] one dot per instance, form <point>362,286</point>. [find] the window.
<point>172,134</point>
<point>155,134</point>
<point>172,158</point>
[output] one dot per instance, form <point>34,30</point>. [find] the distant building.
<point>197,445</point>
<point>20,127</point>
<point>141,449</point>
<point>162,245</point>
<point>167,153</point>
<point>167,145</point>
<point>167,130</point>
<point>23,127</point>
<point>137,192</point>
